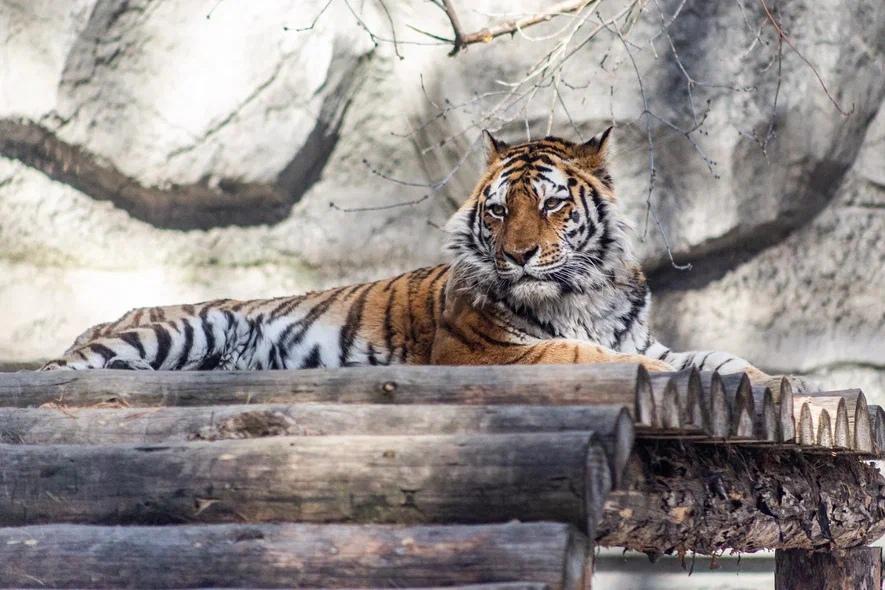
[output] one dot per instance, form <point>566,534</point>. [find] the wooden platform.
<point>418,476</point>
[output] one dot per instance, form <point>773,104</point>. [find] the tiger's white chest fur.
<point>609,317</point>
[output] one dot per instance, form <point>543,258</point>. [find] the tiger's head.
<point>540,224</point>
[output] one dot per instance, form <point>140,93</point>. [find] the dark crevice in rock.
<point>713,260</point>
<point>190,206</point>
<point>232,202</point>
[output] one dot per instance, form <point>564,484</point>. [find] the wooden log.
<point>98,426</point>
<point>667,413</point>
<point>877,417</point>
<point>292,555</point>
<point>371,479</point>
<point>680,496</point>
<point>859,568</point>
<point>739,396</point>
<point>852,416</point>
<point>689,393</point>
<point>807,434</point>
<point>405,384</point>
<point>783,398</point>
<point>824,430</point>
<point>766,422</point>
<point>717,407</point>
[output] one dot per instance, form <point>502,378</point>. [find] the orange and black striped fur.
<point>542,272</point>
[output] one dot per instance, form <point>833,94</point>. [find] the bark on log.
<point>292,555</point>
<point>99,426</point>
<point>855,569</point>
<point>369,479</point>
<point>684,497</point>
<point>548,384</point>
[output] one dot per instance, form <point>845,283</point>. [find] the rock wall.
<point>163,152</point>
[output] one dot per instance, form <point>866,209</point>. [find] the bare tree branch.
<point>507,27</point>
<point>783,35</point>
<point>378,207</point>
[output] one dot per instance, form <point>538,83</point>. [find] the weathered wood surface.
<point>739,396</point>
<point>784,400</point>
<point>849,416</point>
<point>667,413</point>
<point>538,385</point>
<point>877,418</point>
<point>766,421</point>
<point>718,408</point>
<point>97,426</point>
<point>679,496</point>
<point>292,555</point>
<point>859,568</point>
<point>677,399</point>
<point>738,410</point>
<point>372,479</point>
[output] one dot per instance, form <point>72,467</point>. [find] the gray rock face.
<point>149,154</point>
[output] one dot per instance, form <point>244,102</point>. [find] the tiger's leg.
<point>450,349</point>
<point>189,342</point>
<point>724,362</point>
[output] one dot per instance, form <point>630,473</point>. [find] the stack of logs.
<point>417,477</point>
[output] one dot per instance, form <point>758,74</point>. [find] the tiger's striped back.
<point>385,322</point>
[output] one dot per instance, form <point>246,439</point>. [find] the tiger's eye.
<point>497,210</point>
<point>551,204</point>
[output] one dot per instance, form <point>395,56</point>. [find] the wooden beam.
<point>824,430</point>
<point>667,411</point>
<point>877,417</point>
<point>682,497</point>
<point>850,414</point>
<point>859,568</point>
<point>783,398</point>
<point>101,426</point>
<point>607,384</point>
<point>717,406</point>
<point>766,421</point>
<point>293,555</point>
<point>739,396</point>
<point>686,387</point>
<point>369,479</point>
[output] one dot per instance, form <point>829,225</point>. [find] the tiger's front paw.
<point>651,364</point>
<point>57,365</point>
<point>659,366</point>
<point>130,364</point>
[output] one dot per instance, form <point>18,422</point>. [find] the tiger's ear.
<point>493,147</point>
<point>594,153</point>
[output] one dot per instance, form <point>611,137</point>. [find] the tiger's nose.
<point>520,257</point>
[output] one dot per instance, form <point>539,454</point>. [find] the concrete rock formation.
<point>162,152</point>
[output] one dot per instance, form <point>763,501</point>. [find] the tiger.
<point>541,271</point>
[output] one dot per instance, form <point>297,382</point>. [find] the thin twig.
<point>313,23</point>
<point>507,27</point>
<point>379,207</point>
<point>783,35</point>
<point>209,14</point>
<point>392,29</point>
<point>652,171</point>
